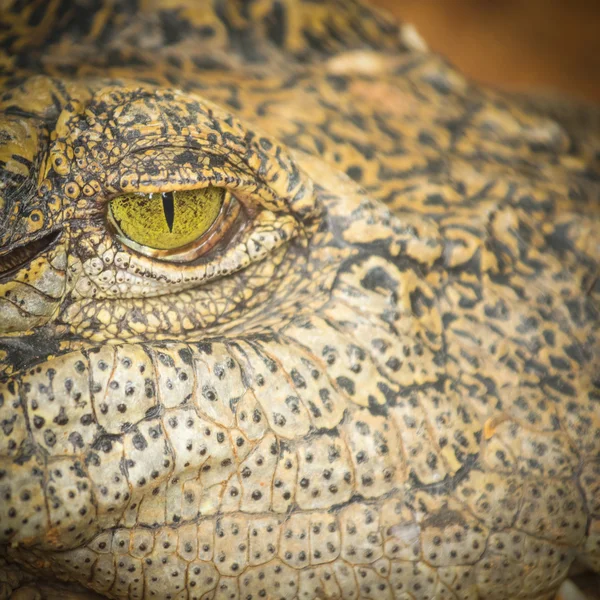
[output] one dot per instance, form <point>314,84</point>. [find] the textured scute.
<point>380,377</point>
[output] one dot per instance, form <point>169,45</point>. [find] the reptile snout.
<point>33,281</point>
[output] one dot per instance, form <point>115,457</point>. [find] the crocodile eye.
<point>175,225</point>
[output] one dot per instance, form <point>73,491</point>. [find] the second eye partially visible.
<point>176,226</point>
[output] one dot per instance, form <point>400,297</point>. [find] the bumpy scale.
<point>378,376</point>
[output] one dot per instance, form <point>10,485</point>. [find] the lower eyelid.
<point>251,243</point>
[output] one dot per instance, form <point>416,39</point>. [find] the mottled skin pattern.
<point>383,382</point>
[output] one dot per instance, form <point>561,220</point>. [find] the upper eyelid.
<point>198,140</point>
<point>102,127</point>
<point>172,163</point>
<point>187,145</point>
<point>246,198</point>
<point>249,186</point>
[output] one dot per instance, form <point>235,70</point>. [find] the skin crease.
<point>381,377</point>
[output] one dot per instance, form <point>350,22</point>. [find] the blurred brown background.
<point>523,45</point>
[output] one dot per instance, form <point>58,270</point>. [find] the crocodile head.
<point>288,309</point>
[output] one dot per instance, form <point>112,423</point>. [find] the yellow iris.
<point>168,220</point>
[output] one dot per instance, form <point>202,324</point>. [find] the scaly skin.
<point>383,382</point>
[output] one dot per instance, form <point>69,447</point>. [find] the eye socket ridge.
<point>175,226</point>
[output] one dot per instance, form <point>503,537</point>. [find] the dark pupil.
<point>168,208</point>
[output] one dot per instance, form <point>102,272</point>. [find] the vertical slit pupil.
<point>169,209</point>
